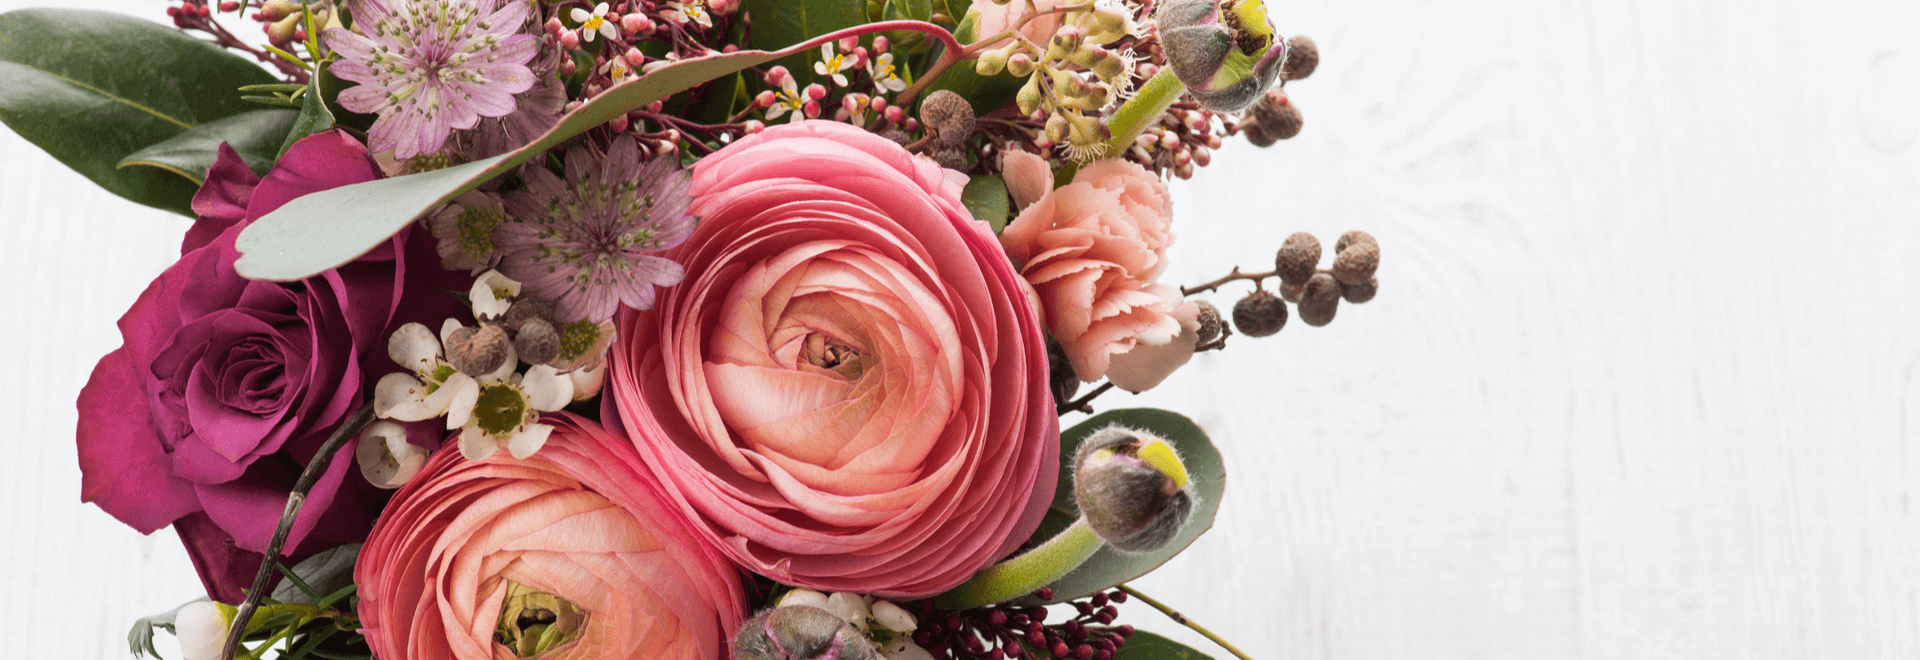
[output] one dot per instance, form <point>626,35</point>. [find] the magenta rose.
<point>849,390</point>
<point>225,388</point>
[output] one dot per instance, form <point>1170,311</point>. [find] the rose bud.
<point>800,632</point>
<point>1225,52</point>
<point>1131,488</point>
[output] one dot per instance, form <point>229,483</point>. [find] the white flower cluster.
<point>887,625</point>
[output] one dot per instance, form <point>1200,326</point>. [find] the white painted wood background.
<point>1642,381</point>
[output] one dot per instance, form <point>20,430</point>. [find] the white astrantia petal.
<point>892,617</point>
<point>492,294</point>
<point>587,382</point>
<point>803,597</point>
<point>202,629</point>
<point>386,459</point>
<point>475,444</point>
<point>850,608</point>
<point>529,440</point>
<point>400,396</point>
<point>464,392</point>
<point>546,389</point>
<point>413,346</point>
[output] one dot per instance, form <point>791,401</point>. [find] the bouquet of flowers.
<point>692,329</point>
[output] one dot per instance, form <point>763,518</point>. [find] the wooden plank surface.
<point>1642,381</point>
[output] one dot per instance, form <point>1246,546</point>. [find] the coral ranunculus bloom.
<point>569,554</point>
<point>850,388</point>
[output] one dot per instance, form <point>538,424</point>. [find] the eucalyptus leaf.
<point>986,197</point>
<point>256,134</point>
<point>1144,645</point>
<point>1108,567</point>
<point>93,87</point>
<point>324,230</point>
<point>325,571</point>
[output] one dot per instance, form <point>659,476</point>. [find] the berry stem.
<point>295,500</point>
<point>1080,404</point>
<point>1234,276</point>
<point>1183,620</point>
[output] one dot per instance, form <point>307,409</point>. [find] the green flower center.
<point>577,338</point>
<point>474,230</point>
<point>533,622</point>
<point>500,409</point>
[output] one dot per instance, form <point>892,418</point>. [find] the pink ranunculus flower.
<point>225,388</point>
<point>1092,250</point>
<point>472,556</point>
<point>849,390</point>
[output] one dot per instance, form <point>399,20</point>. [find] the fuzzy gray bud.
<point>1132,488</point>
<point>1303,56</point>
<point>1224,51</point>
<point>800,632</point>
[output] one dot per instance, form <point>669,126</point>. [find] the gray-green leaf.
<point>93,87</point>
<point>326,571</point>
<point>986,197</point>
<point>1144,645</point>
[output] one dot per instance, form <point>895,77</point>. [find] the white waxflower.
<point>886,76</point>
<point>595,23</point>
<point>492,294</point>
<point>833,63</point>
<point>386,459</point>
<point>430,389</point>
<point>504,413</point>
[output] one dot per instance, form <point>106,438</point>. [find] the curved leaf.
<point>323,230</point>
<point>256,134</point>
<point>1108,566</point>
<point>1144,645</point>
<point>93,87</point>
<point>986,197</point>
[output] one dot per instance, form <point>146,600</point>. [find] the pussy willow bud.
<point>1298,258</point>
<point>1225,51</point>
<point>949,116</point>
<point>1259,314</point>
<point>1319,300</point>
<point>800,632</point>
<point>1132,488</point>
<point>1303,56</point>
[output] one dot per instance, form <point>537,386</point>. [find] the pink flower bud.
<point>617,124</point>
<point>754,126</point>
<point>776,76</point>
<point>569,39</point>
<point>655,106</point>
<point>894,114</point>
<point>881,44</point>
<point>765,99</point>
<point>812,109</point>
<point>554,27</point>
<point>878,104</point>
<point>635,24</point>
<point>229,5</point>
<point>847,44</point>
<point>816,91</point>
<point>723,7</point>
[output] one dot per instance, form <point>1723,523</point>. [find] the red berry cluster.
<point>1000,632</point>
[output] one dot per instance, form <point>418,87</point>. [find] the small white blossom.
<point>832,63</point>
<point>386,459</point>
<point>684,12</point>
<point>886,76</point>
<point>595,23</point>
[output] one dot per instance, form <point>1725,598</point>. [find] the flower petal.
<point>413,346</point>
<point>528,440</point>
<point>546,389</point>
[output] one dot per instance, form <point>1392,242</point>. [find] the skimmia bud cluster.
<point>1008,631</point>
<point>1073,78</point>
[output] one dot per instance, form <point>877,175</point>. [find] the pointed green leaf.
<point>780,24</point>
<point>1144,645</point>
<point>986,197</point>
<point>326,571</point>
<point>255,134</point>
<point>326,229</point>
<point>314,115</point>
<point>1108,566</point>
<point>93,87</point>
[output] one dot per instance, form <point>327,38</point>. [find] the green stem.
<point>1183,620</point>
<point>1134,117</point>
<point>1027,572</point>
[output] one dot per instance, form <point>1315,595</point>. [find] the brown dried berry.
<point>1291,292</point>
<point>1210,322</point>
<point>948,116</point>
<point>1257,134</point>
<point>1303,56</point>
<point>1357,263</point>
<point>525,309</point>
<point>1277,117</point>
<point>1319,300</point>
<point>477,351</point>
<point>1259,314</point>
<point>1354,237</point>
<point>953,158</point>
<point>1298,258</point>
<point>1362,292</point>
<point>537,341</point>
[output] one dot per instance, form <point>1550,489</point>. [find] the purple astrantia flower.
<point>587,242</point>
<point>428,67</point>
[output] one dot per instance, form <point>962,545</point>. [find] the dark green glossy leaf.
<point>781,23</point>
<point>1144,645</point>
<point>255,134</point>
<point>93,87</point>
<point>323,230</point>
<point>314,115</point>
<point>1108,567</point>
<point>986,198</point>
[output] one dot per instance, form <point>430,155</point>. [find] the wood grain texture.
<point>1642,381</point>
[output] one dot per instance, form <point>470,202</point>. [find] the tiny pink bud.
<point>812,109</point>
<point>881,44</point>
<point>672,135</point>
<point>776,76</point>
<point>729,48</point>
<point>1201,156</point>
<point>656,106</point>
<point>229,5</point>
<point>635,24</point>
<point>618,124</point>
<point>765,99</point>
<point>1184,171</point>
<point>666,148</point>
<point>911,125</point>
<point>567,67</point>
<point>878,104</point>
<point>723,7</point>
<point>894,114</point>
<point>1043,142</point>
<point>569,39</point>
<point>554,27</point>
<point>1182,157</point>
<point>1213,142</point>
<point>816,91</point>
<point>847,44</point>
<point>754,126</point>
<point>1170,142</point>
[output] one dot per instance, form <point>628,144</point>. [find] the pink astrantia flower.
<point>428,68</point>
<point>588,243</point>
